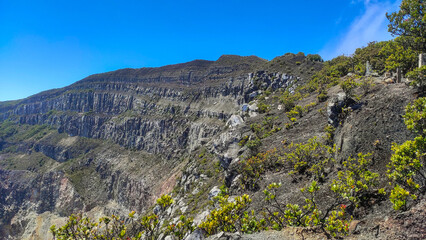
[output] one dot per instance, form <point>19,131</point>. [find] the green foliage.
<point>322,95</point>
<point>398,197</point>
<point>231,216</point>
<point>311,158</point>
<point>253,168</point>
<point>165,201</point>
<point>355,183</point>
<point>7,129</point>
<point>181,228</point>
<point>418,77</point>
<point>263,108</point>
<point>382,56</point>
<point>415,116</point>
<point>329,134</point>
<point>79,227</point>
<point>254,144</point>
<point>150,226</point>
<point>334,221</point>
<point>337,224</point>
<point>349,84</point>
<point>314,58</point>
<point>308,107</point>
<point>330,74</point>
<point>243,140</point>
<point>398,56</point>
<point>406,170</point>
<point>296,111</point>
<point>370,53</point>
<point>366,84</point>
<point>288,99</point>
<point>410,22</point>
<point>263,130</point>
<point>406,167</point>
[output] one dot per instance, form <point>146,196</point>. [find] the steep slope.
<point>114,142</point>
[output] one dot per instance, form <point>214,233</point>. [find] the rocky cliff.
<point>115,141</point>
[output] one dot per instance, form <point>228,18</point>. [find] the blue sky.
<point>53,43</point>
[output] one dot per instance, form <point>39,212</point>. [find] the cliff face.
<point>147,109</point>
<point>115,141</point>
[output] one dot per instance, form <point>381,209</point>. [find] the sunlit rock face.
<point>112,142</point>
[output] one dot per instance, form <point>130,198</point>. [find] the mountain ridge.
<point>114,142</point>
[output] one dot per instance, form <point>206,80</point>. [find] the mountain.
<point>115,142</point>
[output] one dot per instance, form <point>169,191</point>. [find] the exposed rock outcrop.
<point>163,113</point>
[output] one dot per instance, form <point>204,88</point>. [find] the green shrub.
<point>329,134</point>
<point>253,168</point>
<point>181,228</point>
<point>165,201</point>
<point>398,56</point>
<point>322,96</point>
<point>7,129</point>
<point>348,85</point>
<point>418,77</point>
<point>355,183</point>
<point>106,228</point>
<point>311,158</point>
<point>289,99</point>
<point>406,169</point>
<point>232,216</point>
<point>263,108</point>
<point>254,144</point>
<point>399,197</point>
<point>296,111</point>
<point>243,140</point>
<point>415,116</point>
<point>366,84</point>
<point>314,58</point>
<point>263,130</point>
<point>79,227</point>
<point>334,221</point>
<point>331,72</point>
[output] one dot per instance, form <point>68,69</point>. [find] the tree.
<point>369,53</point>
<point>397,56</point>
<point>410,22</point>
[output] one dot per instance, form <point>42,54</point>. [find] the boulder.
<point>214,192</point>
<point>225,236</point>
<point>198,234</point>
<point>234,121</point>
<point>335,106</point>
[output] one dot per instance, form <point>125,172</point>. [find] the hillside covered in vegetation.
<point>237,148</point>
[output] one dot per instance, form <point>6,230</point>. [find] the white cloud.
<point>370,26</point>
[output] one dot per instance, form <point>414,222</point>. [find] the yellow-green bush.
<point>406,169</point>
<point>253,168</point>
<point>418,77</point>
<point>355,183</point>
<point>181,228</point>
<point>311,158</point>
<point>232,216</point>
<point>79,227</point>
<point>335,221</point>
<point>165,201</point>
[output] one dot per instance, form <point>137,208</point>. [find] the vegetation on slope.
<point>352,183</point>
